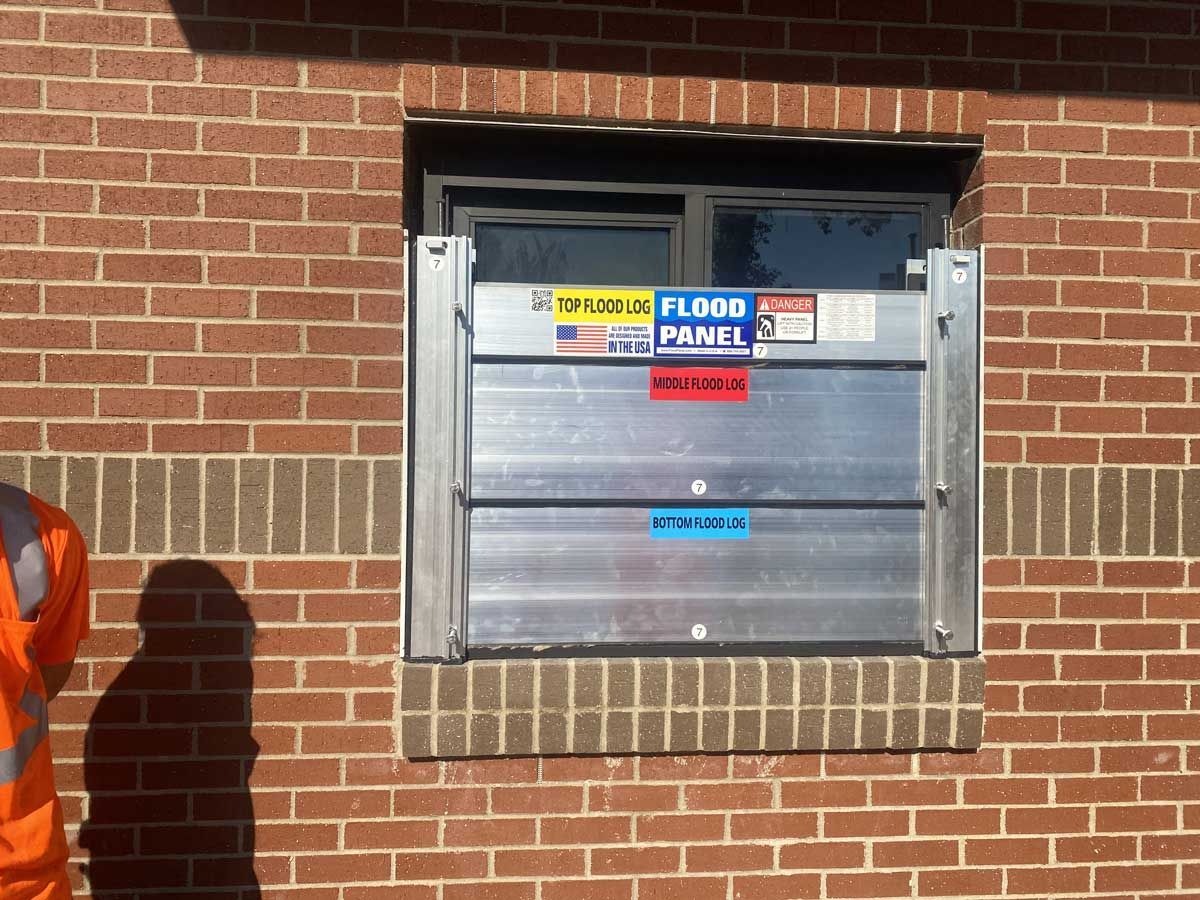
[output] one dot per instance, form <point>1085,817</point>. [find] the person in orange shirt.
<point>43,616</point>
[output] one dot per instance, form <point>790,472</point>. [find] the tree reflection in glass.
<point>789,247</point>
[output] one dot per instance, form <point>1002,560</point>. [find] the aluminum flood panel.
<point>506,326</point>
<point>594,575</point>
<point>591,432</point>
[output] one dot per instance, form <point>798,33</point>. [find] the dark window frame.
<point>695,221</point>
<point>467,217</point>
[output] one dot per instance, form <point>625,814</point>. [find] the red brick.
<point>790,825</point>
<point>1011,354</point>
<point>237,138</point>
<point>586,829</point>
<point>200,235</point>
<point>92,438</point>
<point>355,341</point>
<point>729,858</point>
<point>1054,820</point>
<point>1176,174</point>
<point>488,832</point>
<point>132,335</point>
<point>555,863</point>
<point>147,403</point>
<point>141,267</point>
<point>1060,571</point>
<point>201,370</point>
<point>1142,817</point>
<point>148,200</point>
<point>20,436</point>
<point>904,854</point>
<point>89,369</point>
<point>366,866</point>
<point>1103,420</point>
<point>1158,264</point>
<point>969,882</point>
<point>870,884</point>
<point>234,204</point>
<point>598,888</point>
<point>201,438</point>
<point>635,860</point>
<point>379,440</point>
<point>866,824</point>
<point>868,764</point>
<point>302,438</point>
<point>350,273</point>
<point>347,207</point>
<point>153,134</point>
<point>251,405</point>
<point>824,793</point>
<point>251,338</point>
<point>537,799</point>
<point>195,169</point>
<point>1173,727</point>
<point>304,371</point>
<point>355,405</point>
<point>97,96</point>
<point>1062,698</point>
<point>47,265</point>
<point>1137,697</point>
<point>632,797</point>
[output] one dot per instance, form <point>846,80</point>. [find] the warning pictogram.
<point>788,318</point>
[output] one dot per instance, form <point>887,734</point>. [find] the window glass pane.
<point>572,254</point>
<point>782,247</point>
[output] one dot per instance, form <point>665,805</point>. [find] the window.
<point>804,245</point>
<point>555,461</point>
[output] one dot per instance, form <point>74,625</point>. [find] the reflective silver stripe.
<point>13,759</point>
<point>23,547</point>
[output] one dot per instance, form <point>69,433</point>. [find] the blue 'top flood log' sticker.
<point>690,523</point>
<point>703,323</point>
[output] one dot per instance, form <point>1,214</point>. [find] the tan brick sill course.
<point>522,707</point>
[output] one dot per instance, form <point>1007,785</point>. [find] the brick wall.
<point>201,323</point>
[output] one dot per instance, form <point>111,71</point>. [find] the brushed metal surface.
<point>440,441</point>
<point>593,575</point>
<point>953,448</point>
<point>560,431</point>
<point>505,326</point>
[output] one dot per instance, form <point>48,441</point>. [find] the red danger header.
<point>785,303</point>
<point>722,385</point>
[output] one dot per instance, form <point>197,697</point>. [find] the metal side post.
<point>439,423</point>
<point>952,496</point>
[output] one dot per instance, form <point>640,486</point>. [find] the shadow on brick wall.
<point>1005,45</point>
<point>169,748</point>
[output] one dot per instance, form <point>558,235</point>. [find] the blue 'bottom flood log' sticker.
<point>700,524</point>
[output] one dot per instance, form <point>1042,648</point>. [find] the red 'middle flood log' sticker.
<point>727,385</point>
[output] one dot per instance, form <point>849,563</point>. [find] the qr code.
<point>541,300</point>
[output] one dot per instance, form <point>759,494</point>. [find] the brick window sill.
<point>522,707</point>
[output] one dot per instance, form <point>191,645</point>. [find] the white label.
<point>699,632</point>
<point>846,317</point>
<point>958,276</point>
<point>699,487</point>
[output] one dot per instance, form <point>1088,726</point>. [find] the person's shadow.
<point>169,748</point>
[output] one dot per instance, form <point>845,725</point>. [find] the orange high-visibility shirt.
<point>43,616</point>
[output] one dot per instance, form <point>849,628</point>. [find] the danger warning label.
<point>713,385</point>
<point>785,317</point>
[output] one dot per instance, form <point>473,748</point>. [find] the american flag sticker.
<point>581,339</point>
